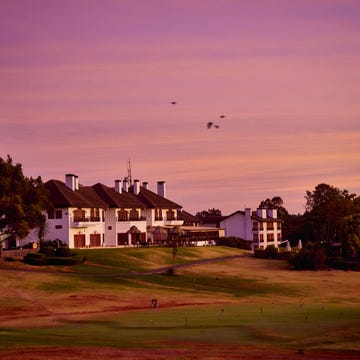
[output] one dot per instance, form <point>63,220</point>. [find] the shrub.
<point>235,242</point>
<point>63,251</point>
<point>309,258</point>
<point>271,252</point>
<point>47,250</point>
<point>339,263</point>
<point>35,259</point>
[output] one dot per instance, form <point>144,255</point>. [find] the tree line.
<point>22,201</point>
<point>329,228</point>
<point>331,221</point>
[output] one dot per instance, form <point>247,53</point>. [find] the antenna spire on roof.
<point>129,178</point>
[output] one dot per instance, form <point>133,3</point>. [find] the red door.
<point>79,240</point>
<point>95,240</point>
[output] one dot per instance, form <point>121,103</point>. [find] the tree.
<point>22,201</point>
<point>275,203</point>
<point>350,237</point>
<point>210,212</point>
<point>326,207</point>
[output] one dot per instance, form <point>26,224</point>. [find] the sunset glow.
<point>86,85</point>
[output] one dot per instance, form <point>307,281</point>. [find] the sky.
<point>86,85</point>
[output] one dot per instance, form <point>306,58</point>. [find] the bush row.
<point>41,259</point>
<point>271,252</point>
<point>235,242</point>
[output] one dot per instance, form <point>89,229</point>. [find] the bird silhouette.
<point>210,124</point>
<point>173,102</point>
<point>222,116</point>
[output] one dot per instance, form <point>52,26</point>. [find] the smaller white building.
<point>261,227</point>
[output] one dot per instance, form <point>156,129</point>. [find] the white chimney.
<point>136,187</point>
<point>118,186</point>
<point>161,190</point>
<point>145,185</point>
<point>76,182</point>
<point>261,213</point>
<point>70,181</point>
<point>272,213</point>
<point>125,185</point>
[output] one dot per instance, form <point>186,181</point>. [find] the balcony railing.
<point>85,221</point>
<point>139,218</point>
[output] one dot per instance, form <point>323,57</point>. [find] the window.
<point>270,226</point>
<point>58,214</point>
<point>170,215</point>
<point>123,215</point>
<point>134,215</point>
<point>58,226</point>
<point>158,215</point>
<point>255,226</point>
<point>51,214</point>
<point>79,215</point>
<point>94,214</point>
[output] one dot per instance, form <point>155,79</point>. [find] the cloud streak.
<point>85,86</point>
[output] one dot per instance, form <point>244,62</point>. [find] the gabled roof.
<point>117,200</point>
<point>234,213</point>
<point>188,218</point>
<point>61,196</point>
<point>153,200</point>
<point>254,216</point>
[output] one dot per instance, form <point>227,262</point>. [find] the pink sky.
<point>86,85</point>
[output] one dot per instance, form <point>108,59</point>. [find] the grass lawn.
<point>229,304</point>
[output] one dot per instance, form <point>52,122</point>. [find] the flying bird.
<point>210,124</point>
<point>173,102</point>
<point>222,116</point>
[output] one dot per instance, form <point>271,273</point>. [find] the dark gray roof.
<point>61,196</point>
<point>188,218</point>
<point>117,200</point>
<point>153,200</point>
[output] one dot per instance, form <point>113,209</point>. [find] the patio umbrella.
<point>299,244</point>
<point>288,247</point>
